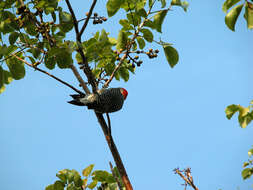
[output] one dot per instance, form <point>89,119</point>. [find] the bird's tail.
<point>76,99</point>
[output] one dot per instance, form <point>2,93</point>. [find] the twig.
<point>187,178</point>
<point>115,176</point>
<point>88,18</point>
<point>79,78</point>
<point>56,78</point>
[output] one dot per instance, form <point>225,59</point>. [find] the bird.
<point>104,101</point>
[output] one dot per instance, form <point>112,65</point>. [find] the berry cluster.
<point>135,60</point>
<point>27,17</point>
<point>97,19</point>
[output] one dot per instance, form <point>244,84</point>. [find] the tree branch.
<point>88,18</point>
<point>79,78</point>
<point>101,120</point>
<point>86,69</point>
<point>187,178</point>
<point>114,152</point>
<point>73,16</point>
<point>115,176</point>
<point>56,78</point>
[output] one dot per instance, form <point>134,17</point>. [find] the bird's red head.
<point>124,92</point>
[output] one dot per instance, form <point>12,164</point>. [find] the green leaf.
<point>147,34</point>
<point>141,42</point>
<point>113,6</point>
<point>66,23</point>
<point>13,37</point>
<point>250,152</point>
<point>7,77</point>
<point>122,40</point>
<point>232,16</point>
<point>249,14</point>
<point>86,172</point>
<point>124,73</point>
<point>50,62</point>
<point>16,68</point>
<point>62,175</point>
<point>93,184</point>
<point>176,2</point>
<point>142,12</point>
<point>185,5</point>
<point>2,89</point>
<point>245,164</point>
<point>246,173</point>
<point>228,4</point>
<point>77,178</point>
<point>159,18</point>
<point>231,110</point>
<point>100,175</point>
<point>59,185</point>
<point>171,55</point>
<point>244,117</point>
<point>126,25</point>
<point>50,187</point>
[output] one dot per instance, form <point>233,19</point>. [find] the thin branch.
<point>115,176</point>
<point>73,16</point>
<point>56,78</point>
<point>79,78</point>
<point>187,178</point>
<point>12,55</point>
<point>88,18</point>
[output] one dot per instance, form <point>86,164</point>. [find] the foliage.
<point>232,16</point>
<point>245,113</point>
<point>72,180</point>
<point>36,33</point>
<point>247,172</point>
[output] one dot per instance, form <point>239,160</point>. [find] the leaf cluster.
<point>36,32</point>
<point>232,15</point>
<point>72,180</point>
<point>245,115</point>
<point>247,172</point>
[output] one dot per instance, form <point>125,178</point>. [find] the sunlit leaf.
<point>231,110</point>
<point>246,173</point>
<point>113,6</point>
<point>249,14</point>
<point>86,172</point>
<point>232,16</point>
<point>250,152</point>
<point>159,18</point>
<point>228,4</point>
<point>93,184</point>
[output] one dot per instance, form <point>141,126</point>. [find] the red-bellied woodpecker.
<point>105,101</point>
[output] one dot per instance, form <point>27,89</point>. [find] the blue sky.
<point>171,118</point>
